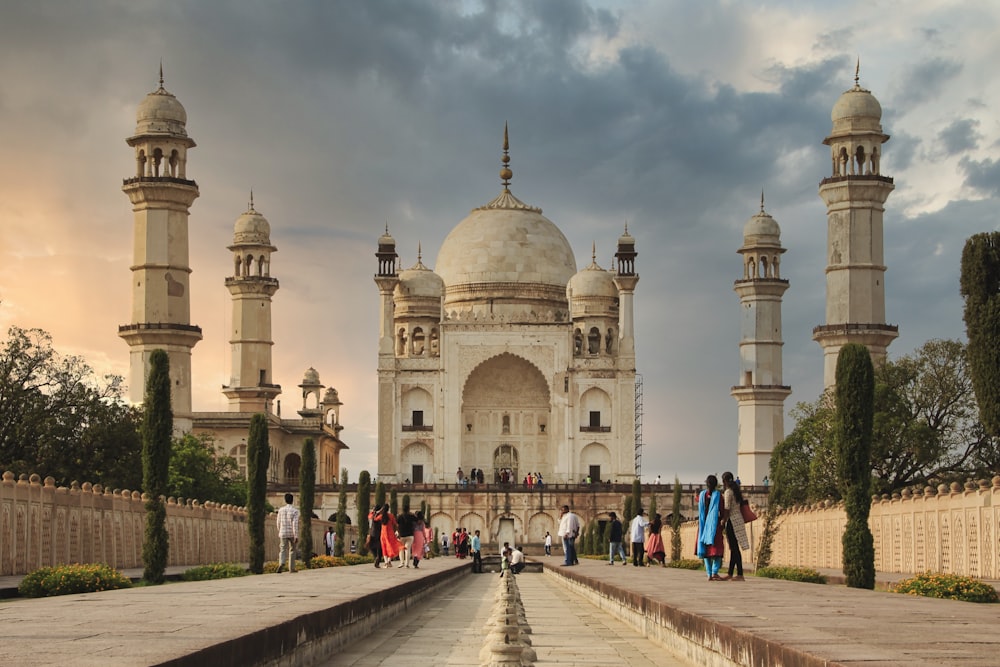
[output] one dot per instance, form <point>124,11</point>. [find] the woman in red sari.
<point>391,546</point>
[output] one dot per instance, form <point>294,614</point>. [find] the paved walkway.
<point>253,620</point>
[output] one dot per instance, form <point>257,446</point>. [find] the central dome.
<point>506,252</point>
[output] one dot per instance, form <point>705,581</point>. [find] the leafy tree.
<point>258,458</point>
<point>980,287</point>
<point>157,427</point>
<point>363,503</point>
<point>855,400</point>
<point>200,472</point>
<point>307,497</point>
<point>338,548</point>
<point>802,467</point>
<point>675,522</point>
<point>57,418</point>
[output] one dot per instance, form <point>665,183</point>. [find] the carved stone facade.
<point>506,359</point>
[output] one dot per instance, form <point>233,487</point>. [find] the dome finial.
<point>161,73</point>
<point>593,252</point>
<point>857,72</point>
<point>505,173</point>
<point>762,200</point>
<point>420,252</point>
<point>251,201</point>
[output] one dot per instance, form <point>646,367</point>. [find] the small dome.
<point>160,113</point>
<point>310,377</point>
<point>626,239</point>
<point>761,227</point>
<point>419,281</point>
<point>252,228</point>
<point>593,281</point>
<point>331,397</point>
<point>857,109</point>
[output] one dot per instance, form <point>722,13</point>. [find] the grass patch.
<point>687,564</point>
<point>947,586</point>
<point>802,574</point>
<point>73,578</point>
<point>214,571</point>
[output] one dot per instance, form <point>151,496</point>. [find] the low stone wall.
<point>953,529</point>
<point>43,525</point>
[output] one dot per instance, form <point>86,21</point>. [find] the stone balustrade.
<point>43,525</point>
<point>949,528</point>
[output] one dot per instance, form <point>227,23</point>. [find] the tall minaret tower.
<point>855,195</point>
<point>386,278</point>
<point>252,387</point>
<point>625,280</point>
<point>161,197</point>
<point>760,394</point>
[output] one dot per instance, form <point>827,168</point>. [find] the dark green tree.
<point>855,400</point>
<point>307,498</point>
<point>393,505</point>
<point>675,522</point>
<point>379,494</point>
<point>157,427</point>
<point>258,458</point>
<point>363,503</point>
<point>338,548</point>
<point>57,418</point>
<point>627,511</point>
<point>980,287</point>
<point>406,502</point>
<point>652,506</point>
<point>636,496</point>
<point>200,472</point>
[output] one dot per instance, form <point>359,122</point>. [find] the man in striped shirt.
<point>288,533</point>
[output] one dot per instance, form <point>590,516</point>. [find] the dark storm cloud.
<point>924,81</point>
<point>959,136</point>
<point>982,175</point>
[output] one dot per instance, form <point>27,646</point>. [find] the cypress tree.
<point>652,506</point>
<point>980,287</point>
<point>258,458</point>
<point>855,401</point>
<point>406,502</point>
<point>675,522</point>
<point>338,548</point>
<point>393,506</point>
<point>307,499</point>
<point>636,496</point>
<point>157,428</point>
<point>363,503</point>
<point>628,512</point>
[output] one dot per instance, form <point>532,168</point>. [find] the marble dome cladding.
<point>505,247</point>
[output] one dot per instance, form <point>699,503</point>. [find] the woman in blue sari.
<point>711,534</point>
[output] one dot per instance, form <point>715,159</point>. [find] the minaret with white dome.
<point>855,195</point>
<point>760,393</point>
<point>161,196</point>
<point>251,387</point>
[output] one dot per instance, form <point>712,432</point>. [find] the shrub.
<point>75,578</point>
<point>326,561</point>
<point>214,571</point>
<point>686,564</point>
<point>947,586</point>
<point>803,574</point>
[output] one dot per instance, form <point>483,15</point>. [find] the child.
<point>505,561</point>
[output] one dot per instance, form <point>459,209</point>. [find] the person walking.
<point>477,556</point>
<point>710,531</point>
<point>655,552</point>
<point>390,543</point>
<point>288,533</point>
<point>374,541</point>
<point>569,529</point>
<point>548,543</point>
<point>636,531</point>
<point>404,531</point>
<point>419,537</point>
<point>329,539</point>
<point>615,540</point>
<point>736,529</point>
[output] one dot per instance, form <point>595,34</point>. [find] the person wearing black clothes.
<point>404,531</point>
<point>615,540</point>
<point>375,535</point>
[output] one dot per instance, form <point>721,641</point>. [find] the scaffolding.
<point>638,426</point>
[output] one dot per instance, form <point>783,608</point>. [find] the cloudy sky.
<point>343,116</point>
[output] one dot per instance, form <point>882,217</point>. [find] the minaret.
<point>760,394</point>
<point>161,197</point>
<point>386,278</point>
<point>855,195</point>
<point>625,280</point>
<point>251,388</point>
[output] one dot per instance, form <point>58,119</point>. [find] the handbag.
<point>748,514</point>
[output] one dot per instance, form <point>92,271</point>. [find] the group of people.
<point>406,537</point>
<point>720,514</point>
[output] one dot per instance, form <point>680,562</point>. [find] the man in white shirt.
<point>637,535</point>
<point>569,529</point>
<point>516,560</point>
<point>288,533</point>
